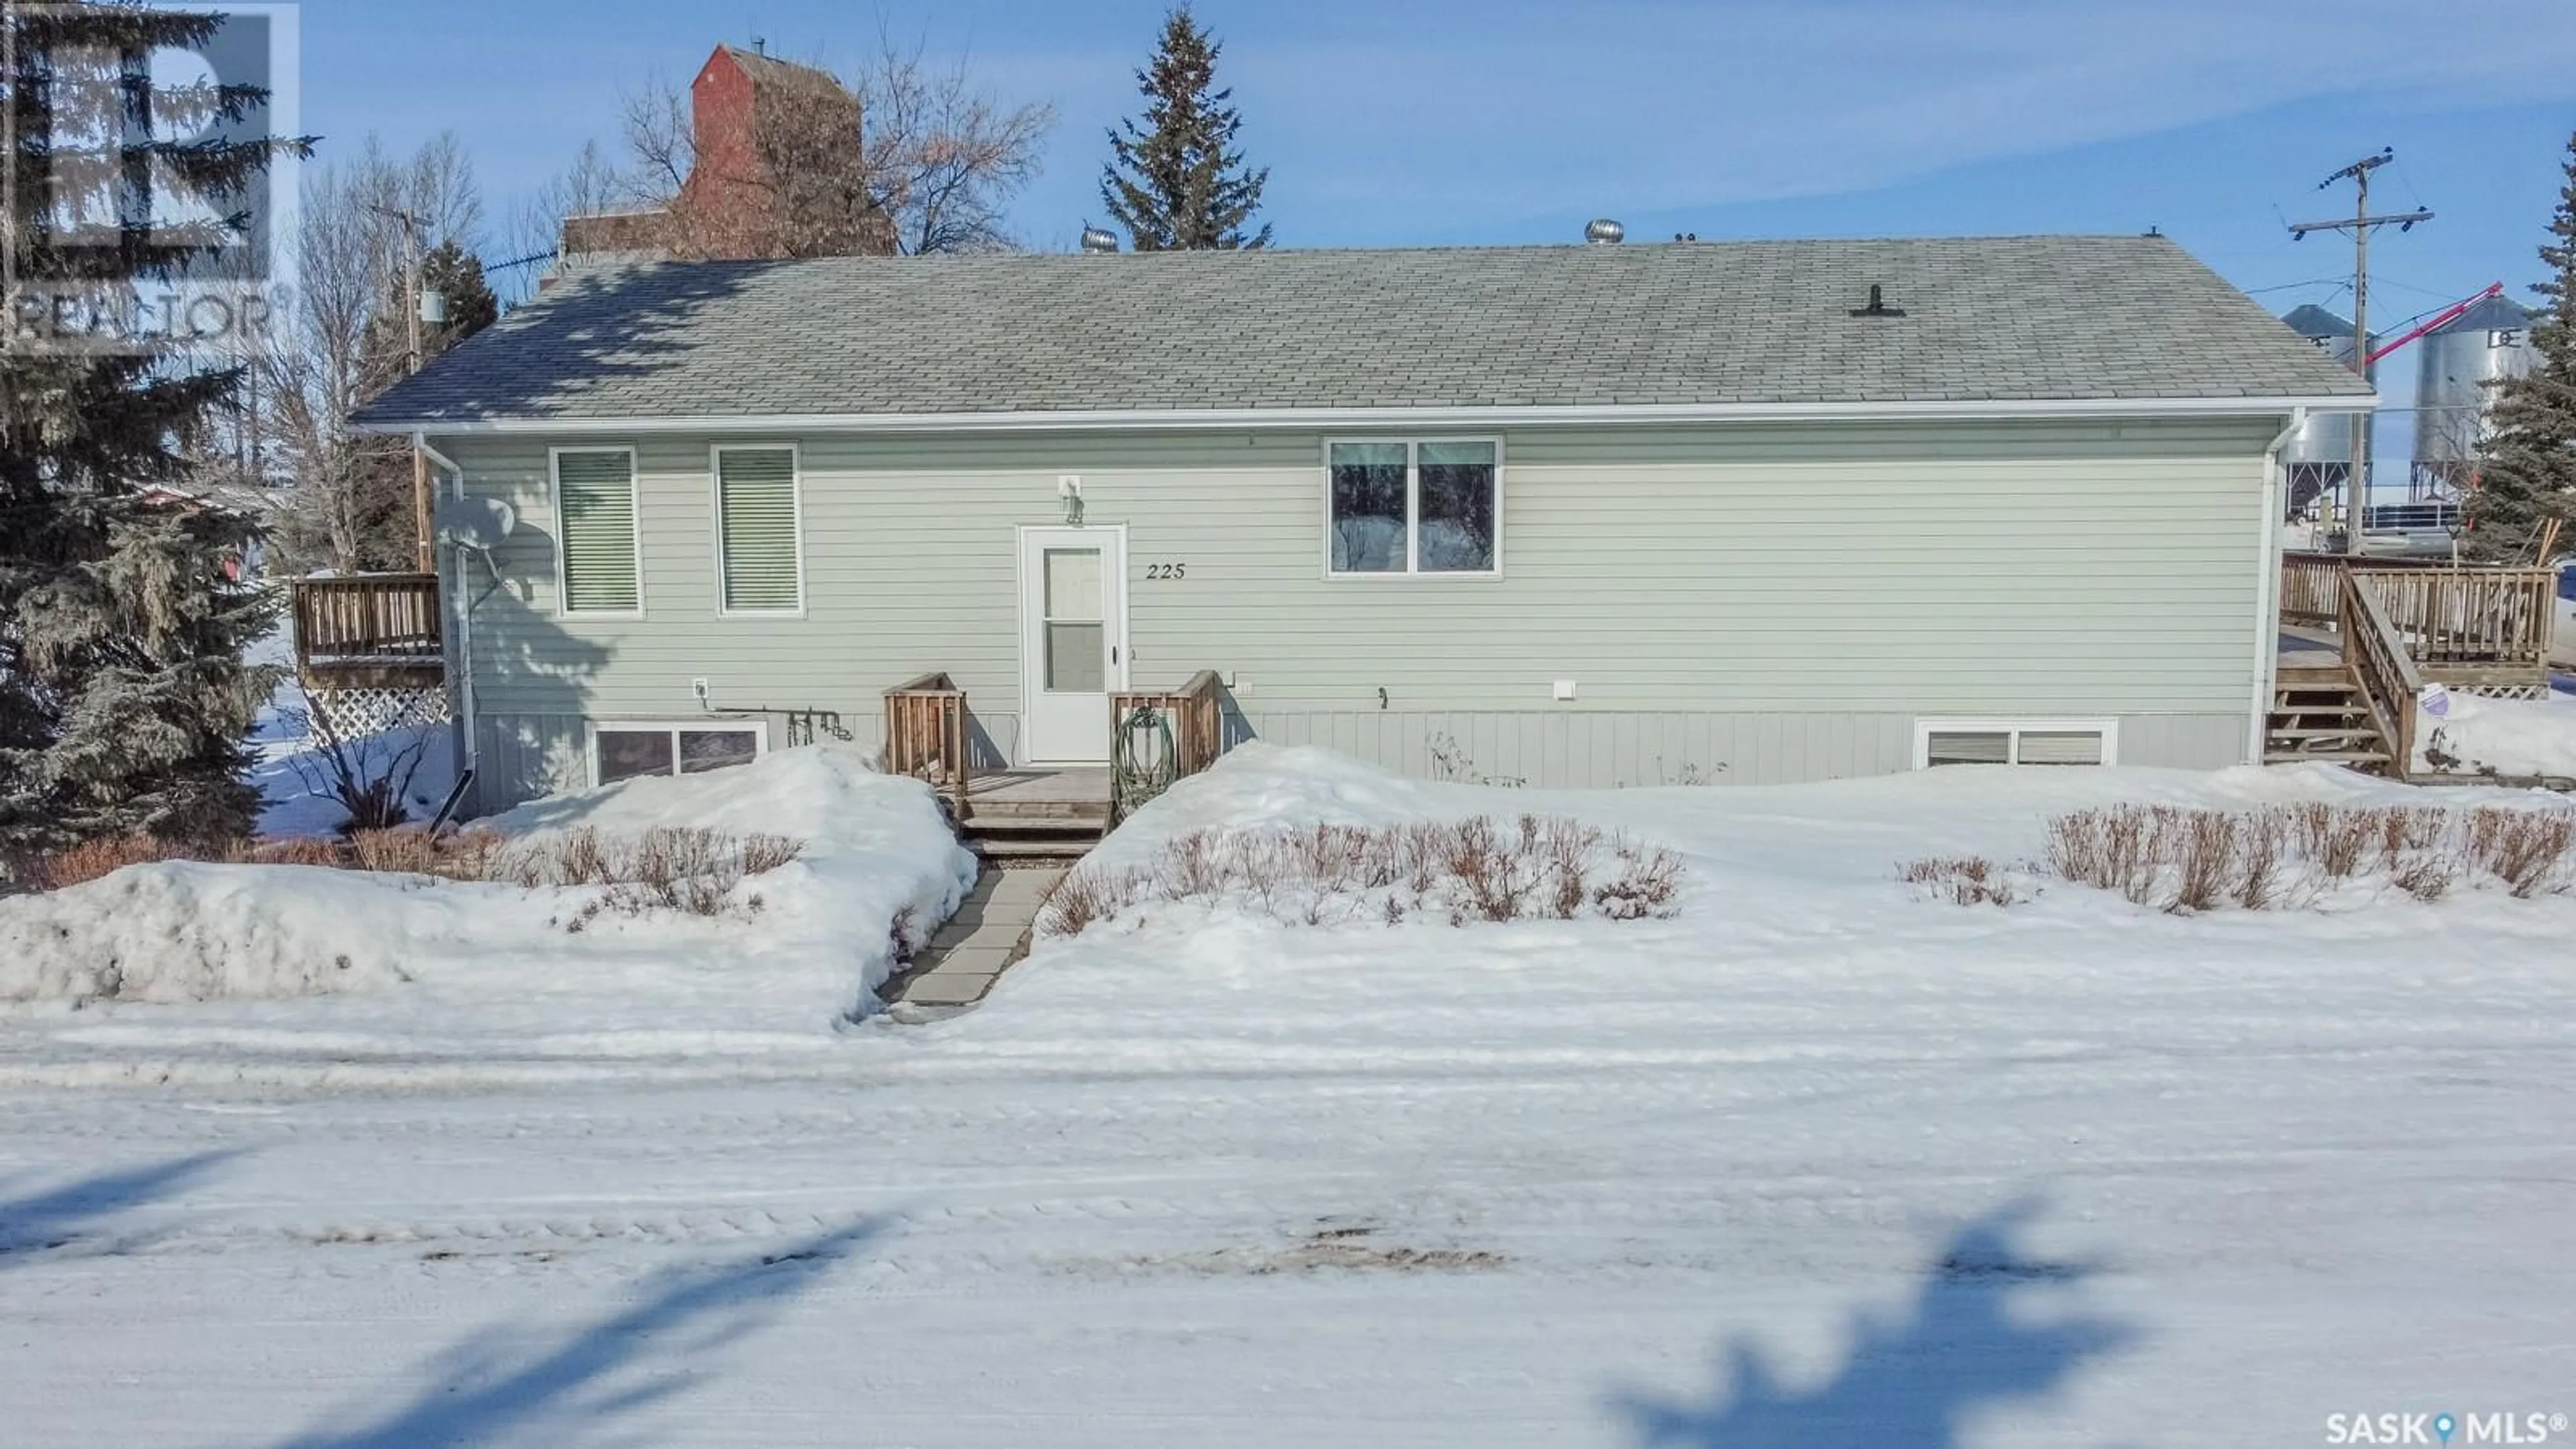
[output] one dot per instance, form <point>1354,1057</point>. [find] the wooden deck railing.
<point>367,620</point>
<point>2377,656</point>
<point>925,735</point>
<point>1196,715</point>
<point>2491,620</point>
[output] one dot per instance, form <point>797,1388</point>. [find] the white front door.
<point>1073,641</point>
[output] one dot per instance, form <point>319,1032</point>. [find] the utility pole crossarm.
<point>2402,220</point>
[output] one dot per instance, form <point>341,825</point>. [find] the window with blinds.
<point>595,494</point>
<point>756,531</point>
<point>2014,742</point>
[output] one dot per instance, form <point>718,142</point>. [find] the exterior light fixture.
<point>1069,488</point>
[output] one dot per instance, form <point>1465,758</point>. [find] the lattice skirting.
<point>2501,691</point>
<point>355,714</point>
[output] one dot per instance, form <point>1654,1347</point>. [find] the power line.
<point>2361,224</point>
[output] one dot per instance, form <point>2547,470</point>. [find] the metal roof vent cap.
<point>1604,232</point>
<point>1877,306</point>
<point>1099,241</point>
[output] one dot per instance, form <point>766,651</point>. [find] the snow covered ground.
<point>2522,738</point>
<point>1816,1162</point>
<point>446,981</point>
<point>286,766</point>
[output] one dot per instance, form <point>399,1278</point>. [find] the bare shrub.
<point>91,859</point>
<point>2527,850</point>
<point>2426,877</point>
<point>1478,869</point>
<point>2188,860</point>
<point>1086,896</point>
<point>2258,874</point>
<point>2204,858</point>
<point>1967,880</point>
<point>1648,884</point>
<point>762,854</point>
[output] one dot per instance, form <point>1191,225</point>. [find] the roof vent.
<point>1604,232</point>
<point>1877,307</point>
<point>1097,240</point>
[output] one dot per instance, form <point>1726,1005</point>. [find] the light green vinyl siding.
<point>596,493</point>
<point>1745,603</point>
<point>756,530</point>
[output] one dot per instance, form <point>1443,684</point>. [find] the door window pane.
<point>624,754</point>
<point>1073,658</point>
<point>1073,584</point>
<point>702,750</point>
<point>1457,507</point>
<point>1368,518</point>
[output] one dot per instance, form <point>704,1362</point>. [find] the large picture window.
<point>1432,507</point>
<point>595,498</point>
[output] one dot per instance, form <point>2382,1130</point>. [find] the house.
<point>1586,515</point>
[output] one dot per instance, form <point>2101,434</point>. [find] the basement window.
<point>1413,508</point>
<point>2015,742</point>
<point>624,750</point>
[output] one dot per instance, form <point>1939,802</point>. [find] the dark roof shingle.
<point>1707,323</point>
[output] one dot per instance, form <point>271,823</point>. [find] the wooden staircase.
<point>1003,830</point>
<point>2322,715</point>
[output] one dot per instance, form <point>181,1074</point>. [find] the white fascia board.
<point>1257,419</point>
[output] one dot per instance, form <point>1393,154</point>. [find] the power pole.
<point>2361,225</point>
<point>423,559</point>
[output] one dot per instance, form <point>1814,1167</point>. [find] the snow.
<point>1814,1162</point>
<point>484,968</point>
<point>2514,738</point>
<point>285,762</point>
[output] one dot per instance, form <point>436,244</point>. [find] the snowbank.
<point>2510,737</point>
<point>818,939</point>
<point>183,931</point>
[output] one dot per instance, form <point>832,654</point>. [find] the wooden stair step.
<point>1017,848</point>
<point>2348,733</point>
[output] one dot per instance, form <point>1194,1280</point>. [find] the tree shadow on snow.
<point>499,1387</point>
<point>77,1216</point>
<point>1969,1341</point>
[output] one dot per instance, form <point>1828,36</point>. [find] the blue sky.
<point>1483,121</point>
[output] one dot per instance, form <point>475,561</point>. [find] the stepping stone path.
<point>987,936</point>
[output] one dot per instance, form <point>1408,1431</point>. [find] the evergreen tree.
<point>1172,181</point>
<point>457,274</point>
<point>2527,465</point>
<point>124,697</point>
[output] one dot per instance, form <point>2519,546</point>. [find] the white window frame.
<point>1413,570</point>
<point>671,727</point>
<point>635,517</point>
<point>715,504</point>
<point>2014,727</point>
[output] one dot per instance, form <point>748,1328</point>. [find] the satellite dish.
<point>476,523</point>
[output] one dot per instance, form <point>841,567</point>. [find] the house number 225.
<point>1167,571</point>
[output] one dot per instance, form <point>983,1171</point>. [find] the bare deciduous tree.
<point>348,507</point>
<point>909,158</point>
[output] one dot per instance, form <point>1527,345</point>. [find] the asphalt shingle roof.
<point>1987,319</point>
